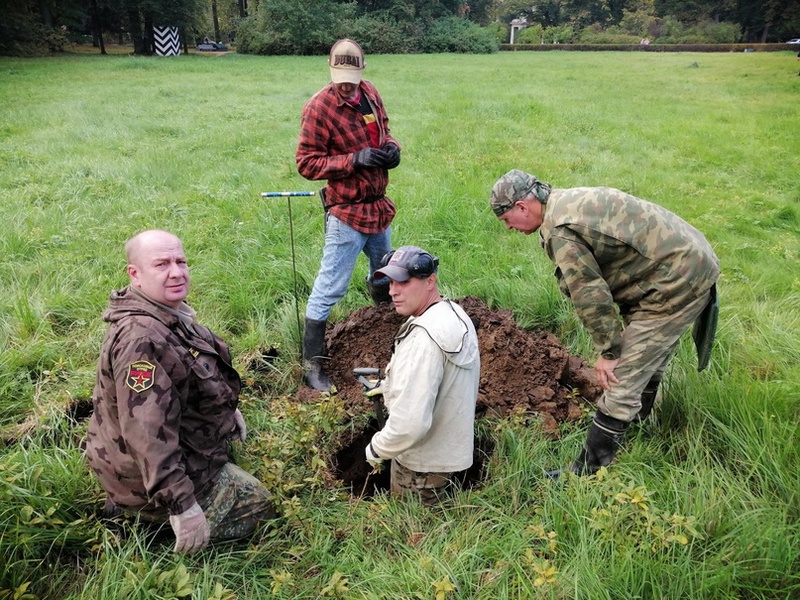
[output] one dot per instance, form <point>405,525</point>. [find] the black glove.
<point>369,158</point>
<point>392,152</point>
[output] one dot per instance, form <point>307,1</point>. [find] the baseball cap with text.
<point>407,262</point>
<point>346,61</point>
<point>514,186</point>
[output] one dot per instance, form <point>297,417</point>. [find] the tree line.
<point>31,27</point>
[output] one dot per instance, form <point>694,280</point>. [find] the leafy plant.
<point>630,520</point>
<point>143,580</point>
<point>336,587</point>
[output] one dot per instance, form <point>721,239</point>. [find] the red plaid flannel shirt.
<point>331,131</point>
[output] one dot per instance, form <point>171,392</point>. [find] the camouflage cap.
<point>514,186</point>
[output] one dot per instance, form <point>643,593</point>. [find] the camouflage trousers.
<point>234,507</point>
<point>648,343</point>
<point>431,488</point>
<point>237,504</point>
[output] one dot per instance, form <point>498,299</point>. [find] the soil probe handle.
<point>361,373</point>
<point>366,371</point>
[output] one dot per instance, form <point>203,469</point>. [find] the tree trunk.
<point>215,19</point>
<point>45,14</point>
<point>135,26</point>
<point>97,29</point>
<point>242,8</point>
<point>149,40</point>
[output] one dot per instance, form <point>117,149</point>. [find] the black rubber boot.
<point>379,292</point>
<point>648,399</point>
<point>314,356</point>
<point>110,510</point>
<point>604,438</point>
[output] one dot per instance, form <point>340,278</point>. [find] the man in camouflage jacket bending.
<point>638,275</point>
<point>165,408</point>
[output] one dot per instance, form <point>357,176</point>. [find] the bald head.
<point>157,266</point>
<point>146,239</point>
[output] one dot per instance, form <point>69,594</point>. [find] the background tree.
<point>293,27</point>
<point>309,26</point>
<point>143,15</point>
<point>26,28</point>
<point>215,19</point>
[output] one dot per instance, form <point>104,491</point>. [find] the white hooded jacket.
<point>430,391</point>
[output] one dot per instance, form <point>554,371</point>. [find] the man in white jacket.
<point>431,382</point>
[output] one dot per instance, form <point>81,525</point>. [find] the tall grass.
<point>703,502</point>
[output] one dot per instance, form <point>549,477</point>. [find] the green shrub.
<point>249,39</point>
<point>564,34</point>
<point>531,35</point>
<point>499,31</point>
<point>709,32</point>
<point>384,35</point>
<point>671,31</point>
<point>613,35</point>
<point>21,35</point>
<point>284,27</point>
<point>456,34</point>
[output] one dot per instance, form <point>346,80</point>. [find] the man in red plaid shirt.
<point>344,138</point>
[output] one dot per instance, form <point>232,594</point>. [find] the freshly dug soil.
<point>521,370</point>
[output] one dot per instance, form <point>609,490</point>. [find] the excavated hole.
<point>79,411</point>
<point>350,465</point>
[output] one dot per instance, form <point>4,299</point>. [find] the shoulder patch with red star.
<point>141,375</point>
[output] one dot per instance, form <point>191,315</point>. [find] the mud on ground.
<point>530,371</point>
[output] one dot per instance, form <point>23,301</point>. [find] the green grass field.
<point>703,503</point>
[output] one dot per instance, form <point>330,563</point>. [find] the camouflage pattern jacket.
<point>613,251</point>
<point>164,404</point>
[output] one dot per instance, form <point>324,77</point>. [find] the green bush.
<point>709,32</point>
<point>284,27</point>
<point>499,31</point>
<point>592,35</point>
<point>22,35</point>
<point>249,40</point>
<point>563,34</point>
<point>456,34</point>
<point>384,36</point>
<point>530,35</point>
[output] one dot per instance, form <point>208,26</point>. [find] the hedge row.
<point>650,47</point>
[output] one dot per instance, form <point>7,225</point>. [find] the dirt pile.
<point>520,369</point>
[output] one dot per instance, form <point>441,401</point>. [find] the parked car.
<point>209,45</point>
<point>794,41</point>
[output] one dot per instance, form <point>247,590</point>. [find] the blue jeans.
<point>342,247</point>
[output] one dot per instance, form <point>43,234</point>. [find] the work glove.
<point>369,158</point>
<point>239,427</point>
<point>192,532</point>
<point>378,390</point>
<point>373,459</point>
<point>392,152</point>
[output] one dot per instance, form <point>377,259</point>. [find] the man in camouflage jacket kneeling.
<point>638,275</point>
<point>165,408</point>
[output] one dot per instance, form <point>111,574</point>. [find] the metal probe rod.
<point>288,196</point>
